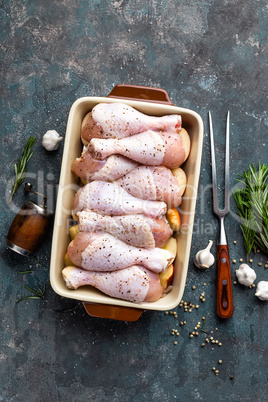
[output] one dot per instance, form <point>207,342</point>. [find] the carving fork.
<point>224,302</point>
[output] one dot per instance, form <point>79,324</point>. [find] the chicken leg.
<point>118,120</point>
<point>110,199</point>
<point>135,283</point>
<point>155,183</point>
<point>136,230</point>
<point>110,169</point>
<point>148,148</point>
<point>106,253</point>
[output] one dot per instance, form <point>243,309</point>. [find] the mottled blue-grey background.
<point>208,55</point>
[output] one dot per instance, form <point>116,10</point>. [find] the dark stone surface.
<point>208,55</point>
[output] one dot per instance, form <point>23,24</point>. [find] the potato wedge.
<point>181,179</point>
<point>84,181</point>
<point>83,124</point>
<point>174,219</point>
<point>186,142</point>
<point>75,217</point>
<point>73,231</point>
<point>171,246</point>
<point>67,261</point>
<point>166,277</point>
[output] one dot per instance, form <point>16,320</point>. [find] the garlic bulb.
<point>51,140</point>
<point>262,290</point>
<point>245,275</point>
<point>204,259</point>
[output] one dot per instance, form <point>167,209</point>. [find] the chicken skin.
<point>109,169</point>
<point>135,284</point>
<point>136,230</point>
<point>117,120</point>
<point>103,252</point>
<point>148,148</point>
<point>155,183</point>
<point>110,199</point>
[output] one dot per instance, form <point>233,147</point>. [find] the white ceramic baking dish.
<point>152,101</point>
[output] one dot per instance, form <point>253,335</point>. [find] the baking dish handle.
<point>113,312</point>
<point>140,93</point>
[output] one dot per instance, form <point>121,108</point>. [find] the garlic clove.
<point>51,140</point>
<point>245,275</point>
<point>262,290</point>
<point>204,258</point>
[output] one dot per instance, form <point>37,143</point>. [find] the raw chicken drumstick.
<point>110,199</point>
<point>155,183</point>
<point>135,283</point>
<point>103,252</point>
<point>148,148</point>
<point>110,169</point>
<point>117,120</point>
<point>136,230</point>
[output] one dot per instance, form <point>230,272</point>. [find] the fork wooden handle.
<point>225,304</point>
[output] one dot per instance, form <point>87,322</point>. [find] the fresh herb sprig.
<point>39,293</point>
<point>252,207</point>
<point>202,328</point>
<point>21,166</point>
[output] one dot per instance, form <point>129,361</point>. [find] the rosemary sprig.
<point>67,310</point>
<point>35,259</point>
<point>21,166</point>
<point>202,328</point>
<point>252,207</point>
<point>39,293</point>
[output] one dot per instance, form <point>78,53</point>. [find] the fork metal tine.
<point>227,162</point>
<point>217,211</point>
<point>213,164</point>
